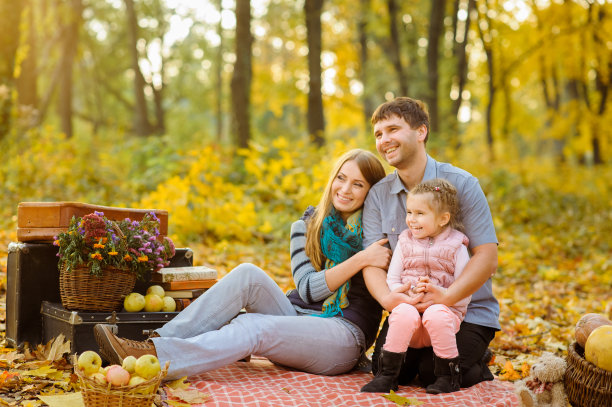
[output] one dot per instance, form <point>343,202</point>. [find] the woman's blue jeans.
<point>210,333</point>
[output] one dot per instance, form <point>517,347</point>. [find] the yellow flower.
<point>56,242</point>
<point>142,259</point>
<point>104,239</point>
<point>96,256</point>
<point>98,246</point>
<point>127,257</point>
<point>112,253</point>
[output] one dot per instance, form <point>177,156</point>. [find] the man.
<point>401,129</point>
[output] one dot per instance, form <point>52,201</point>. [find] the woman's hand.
<point>399,295</point>
<point>376,255</point>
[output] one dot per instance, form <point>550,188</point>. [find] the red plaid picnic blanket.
<point>263,384</point>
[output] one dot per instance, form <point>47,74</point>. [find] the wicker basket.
<point>586,385</point>
<point>81,291</point>
<point>99,395</point>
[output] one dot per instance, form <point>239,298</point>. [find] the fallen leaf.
<point>178,383</point>
<point>58,348</point>
<point>190,396</point>
<point>64,400</point>
<point>176,403</point>
<point>400,400</point>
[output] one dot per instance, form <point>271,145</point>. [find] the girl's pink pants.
<point>437,328</point>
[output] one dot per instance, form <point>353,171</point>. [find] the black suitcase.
<point>77,326</point>
<point>33,277</point>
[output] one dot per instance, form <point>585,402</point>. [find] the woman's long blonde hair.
<point>370,168</point>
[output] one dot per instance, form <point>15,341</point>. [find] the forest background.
<point>228,113</point>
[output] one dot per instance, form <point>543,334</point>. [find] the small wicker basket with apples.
<point>132,384</point>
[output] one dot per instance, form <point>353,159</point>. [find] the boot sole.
<point>107,350</point>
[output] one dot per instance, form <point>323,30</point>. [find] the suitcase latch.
<point>111,320</point>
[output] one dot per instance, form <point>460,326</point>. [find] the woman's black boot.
<point>448,376</point>
<point>387,373</point>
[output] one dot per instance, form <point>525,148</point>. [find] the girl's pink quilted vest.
<point>431,257</point>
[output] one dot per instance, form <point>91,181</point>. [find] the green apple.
<point>98,378</point>
<point>153,303</point>
<point>156,289</point>
<point>169,304</point>
<point>147,366</point>
<point>89,362</point>
<point>134,302</point>
<point>129,363</point>
<point>134,380</point>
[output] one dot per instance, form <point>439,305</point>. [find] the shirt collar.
<point>431,172</point>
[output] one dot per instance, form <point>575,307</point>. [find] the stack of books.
<point>185,284</point>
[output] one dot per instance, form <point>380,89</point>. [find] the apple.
<point>98,378</point>
<point>134,380</point>
<point>156,289</point>
<point>89,362</point>
<point>153,303</point>
<point>134,302</point>
<point>147,366</point>
<point>129,363</point>
<point>117,376</point>
<point>169,304</point>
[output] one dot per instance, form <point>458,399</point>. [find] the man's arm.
<point>376,281</point>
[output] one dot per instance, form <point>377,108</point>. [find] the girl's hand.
<point>377,255</point>
<point>433,294</point>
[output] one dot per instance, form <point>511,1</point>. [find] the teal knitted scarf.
<point>339,241</point>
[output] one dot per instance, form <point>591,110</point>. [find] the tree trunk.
<point>9,41</point>
<point>436,27</point>
<point>486,43</point>
<point>316,121</point>
<point>27,91</point>
<point>368,107</point>
<point>142,127</point>
<point>70,43</point>
<point>241,79</point>
<point>219,75</point>
<point>394,48</point>
<point>461,40</point>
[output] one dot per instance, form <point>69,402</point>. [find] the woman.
<point>321,327</point>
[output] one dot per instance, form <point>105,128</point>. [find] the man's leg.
<point>473,341</point>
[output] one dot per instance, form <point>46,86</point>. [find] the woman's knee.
<point>247,272</point>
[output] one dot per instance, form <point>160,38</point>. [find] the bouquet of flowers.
<point>97,242</point>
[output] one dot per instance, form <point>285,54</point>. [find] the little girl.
<point>430,250</point>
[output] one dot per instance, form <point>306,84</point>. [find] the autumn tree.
<point>316,123</point>
<point>9,41</point>
<point>142,125</point>
<point>241,80</point>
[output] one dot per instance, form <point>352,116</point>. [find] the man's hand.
<point>399,296</point>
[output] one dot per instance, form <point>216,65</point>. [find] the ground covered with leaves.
<point>555,264</point>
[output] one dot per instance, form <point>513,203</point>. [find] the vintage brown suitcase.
<point>33,277</point>
<point>77,326</point>
<point>41,221</point>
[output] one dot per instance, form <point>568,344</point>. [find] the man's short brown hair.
<point>412,110</point>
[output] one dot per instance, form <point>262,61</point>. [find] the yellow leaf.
<point>43,371</point>
<point>178,383</point>
<point>175,403</point>
<point>400,400</point>
<point>190,396</point>
<point>64,400</point>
